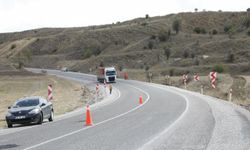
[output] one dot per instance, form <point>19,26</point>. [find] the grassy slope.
<point>67,94</point>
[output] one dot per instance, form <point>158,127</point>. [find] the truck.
<point>106,74</point>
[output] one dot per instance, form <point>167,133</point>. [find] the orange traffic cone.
<point>140,100</point>
<point>88,117</point>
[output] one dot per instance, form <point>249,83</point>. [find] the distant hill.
<point>204,40</point>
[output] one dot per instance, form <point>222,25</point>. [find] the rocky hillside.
<point>194,42</point>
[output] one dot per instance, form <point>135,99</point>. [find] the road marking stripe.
<point>99,123</point>
<point>146,145</point>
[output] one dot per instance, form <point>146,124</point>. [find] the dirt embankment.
<point>239,84</point>
<point>67,95</point>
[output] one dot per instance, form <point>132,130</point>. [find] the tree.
<point>176,26</point>
<point>196,9</point>
<point>167,52</point>
<point>146,16</point>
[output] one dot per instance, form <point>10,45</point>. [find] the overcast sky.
<point>19,15</point>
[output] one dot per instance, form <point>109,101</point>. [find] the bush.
<point>171,72</point>
<point>214,32</point>
<point>146,68</point>
<point>150,44</point>
<point>219,68</point>
<point>197,30</point>
<point>246,22</point>
<point>167,52</point>
<point>197,62</point>
<point>192,55</point>
<point>227,28</point>
<point>185,54</point>
<point>248,33</point>
<point>13,46</point>
<point>176,26</point>
<point>230,57</point>
<point>163,37</point>
<point>153,37</point>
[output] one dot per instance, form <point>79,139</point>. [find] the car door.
<point>45,108</point>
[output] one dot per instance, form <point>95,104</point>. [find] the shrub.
<point>197,62</point>
<point>144,23</point>
<point>153,37</point>
<point>13,46</point>
<point>171,72</point>
<point>150,44</point>
<point>146,68</point>
<point>176,26</point>
<point>227,28</point>
<point>167,52</point>
<point>162,37</point>
<point>214,32</point>
<point>192,55</point>
<point>185,54</point>
<point>230,57</point>
<point>246,22</point>
<point>248,33</point>
<point>219,68</point>
<point>197,30</point>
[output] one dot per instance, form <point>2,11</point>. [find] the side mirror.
<point>43,104</point>
<point>9,107</point>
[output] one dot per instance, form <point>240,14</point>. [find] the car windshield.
<point>108,73</point>
<point>27,103</point>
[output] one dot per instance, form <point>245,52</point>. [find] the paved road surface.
<point>169,118</point>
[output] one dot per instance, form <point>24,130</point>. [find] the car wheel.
<point>51,118</point>
<point>40,119</point>
<point>9,125</point>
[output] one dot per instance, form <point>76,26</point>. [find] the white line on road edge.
<point>146,145</point>
<point>99,123</point>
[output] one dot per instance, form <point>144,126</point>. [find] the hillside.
<point>138,43</point>
<point>205,41</point>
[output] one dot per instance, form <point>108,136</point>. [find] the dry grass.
<point>67,94</point>
<point>239,84</point>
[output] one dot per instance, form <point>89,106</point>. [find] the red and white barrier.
<point>230,95</point>
<point>196,77</point>
<point>213,76</point>
<point>50,95</point>
<point>185,78</point>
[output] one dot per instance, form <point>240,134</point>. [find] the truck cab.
<point>106,74</point>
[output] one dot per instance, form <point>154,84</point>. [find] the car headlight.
<point>34,111</point>
<point>8,114</point>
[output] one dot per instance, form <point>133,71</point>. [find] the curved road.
<point>169,118</point>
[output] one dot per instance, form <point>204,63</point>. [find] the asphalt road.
<point>169,118</point>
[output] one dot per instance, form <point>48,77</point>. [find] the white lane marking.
<point>99,123</point>
<point>173,124</point>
